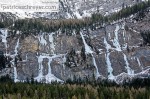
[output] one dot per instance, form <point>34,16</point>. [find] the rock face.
<point>114,51</point>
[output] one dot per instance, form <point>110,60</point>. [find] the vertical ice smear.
<point>16,47</point>
<point>49,66</point>
<point>49,77</point>
<point>15,69</point>
<point>109,36</point>
<point>139,63</point>
<point>123,27</point>
<point>15,75</point>
<point>124,36</point>
<point>4,37</point>
<point>107,45</point>
<point>97,72</point>
<point>40,76</point>
<point>129,70</point>
<point>42,40</point>
<point>109,68</point>
<point>51,40</point>
<point>88,50</point>
<point>116,40</point>
<point>64,60</point>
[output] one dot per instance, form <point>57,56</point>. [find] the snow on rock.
<point>22,14</point>
<point>115,10</point>
<point>119,79</point>
<point>86,14</point>
<point>125,76</point>
<point>129,70</point>
<point>78,15</point>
